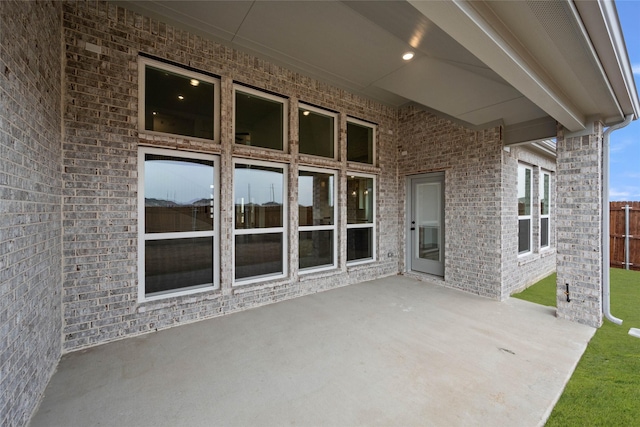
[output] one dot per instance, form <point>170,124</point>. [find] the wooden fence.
<point>617,234</point>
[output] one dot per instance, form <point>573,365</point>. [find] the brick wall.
<point>30,204</point>
<point>100,174</point>
<point>471,161</point>
<point>518,272</point>
<point>579,227</point>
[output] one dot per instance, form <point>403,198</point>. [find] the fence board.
<point>616,215</point>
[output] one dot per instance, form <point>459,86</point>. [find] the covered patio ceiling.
<point>525,65</point>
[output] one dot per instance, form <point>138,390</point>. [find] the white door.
<point>426,224</point>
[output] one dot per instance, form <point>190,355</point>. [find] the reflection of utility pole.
<point>273,193</point>
<point>194,211</point>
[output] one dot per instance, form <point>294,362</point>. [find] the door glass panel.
<point>428,221</point>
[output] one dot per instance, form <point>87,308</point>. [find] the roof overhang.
<point>523,64</point>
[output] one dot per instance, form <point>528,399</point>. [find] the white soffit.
<point>459,93</point>
<point>600,18</point>
<point>479,62</point>
<point>320,35</point>
<point>477,27</point>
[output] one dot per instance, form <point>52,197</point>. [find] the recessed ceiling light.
<point>194,82</point>
<point>305,113</point>
<point>407,56</point>
<point>180,97</point>
<point>154,113</point>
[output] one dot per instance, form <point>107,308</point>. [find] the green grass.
<point>543,292</point>
<point>604,390</point>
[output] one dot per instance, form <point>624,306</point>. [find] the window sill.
<point>359,263</point>
<point>172,299</point>
<point>318,274</point>
<point>242,288</point>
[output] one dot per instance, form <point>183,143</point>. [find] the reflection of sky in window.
<point>258,186</point>
<point>305,190</point>
<point>524,177</point>
<point>177,181</point>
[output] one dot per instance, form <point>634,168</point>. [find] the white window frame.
<point>374,140</point>
<point>323,112</point>
<point>333,227</point>
<point>541,189</point>
<point>271,97</point>
<point>245,231</point>
<point>526,217</point>
<point>143,62</point>
<point>143,237</point>
<point>371,225</point>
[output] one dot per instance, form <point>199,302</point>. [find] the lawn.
<point>604,390</point>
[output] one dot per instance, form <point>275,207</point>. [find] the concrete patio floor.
<point>393,351</point>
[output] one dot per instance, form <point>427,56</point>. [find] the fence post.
<point>626,236</point>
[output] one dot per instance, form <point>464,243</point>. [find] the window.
<point>317,218</point>
<point>360,218</point>
<point>545,200</point>
<point>318,131</point>
<point>260,244</point>
<point>361,139</point>
<point>524,209</point>
<point>178,207</point>
<point>260,119</point>
<point>178,101</point>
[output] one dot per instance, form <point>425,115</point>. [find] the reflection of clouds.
<point>626,193</point>
<point>636,68</point>
<point>179,181</point>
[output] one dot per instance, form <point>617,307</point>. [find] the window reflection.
<point>178,194</point>
<point>174,104</point>
<point>316,133</point>
<point>359,143</point>
<point>258,121</point>
<point>524,191</point>
<point>359,200</point>
<point>258,192</point>
<point>315,198</point>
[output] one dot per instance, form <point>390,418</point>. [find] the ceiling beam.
<point>491,42</point>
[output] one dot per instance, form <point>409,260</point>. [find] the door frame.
<point>408,214</point>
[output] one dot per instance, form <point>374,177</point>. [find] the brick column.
<point>579,226</point>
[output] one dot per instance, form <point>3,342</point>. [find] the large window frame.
<point>305,112</point>
<point>333,203</point>
<point>144,237</point>
<point>266,96</point>
<point>262,231</point>
<point>195,77</point>
<point>525,210</point>
<point>355,225</point>
<point>373,128</point>
<point>544,197</point>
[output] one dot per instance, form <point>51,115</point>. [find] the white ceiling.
<point>357,45</point>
